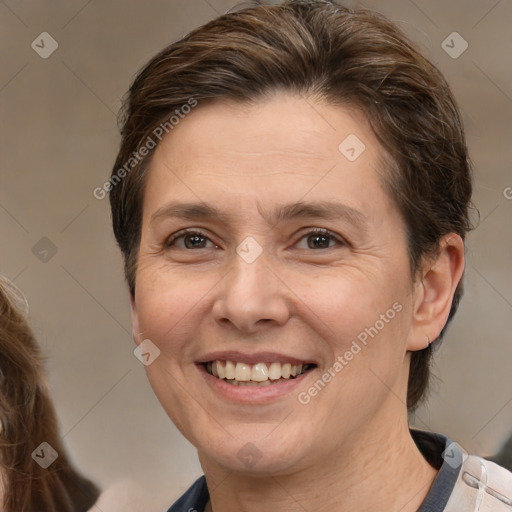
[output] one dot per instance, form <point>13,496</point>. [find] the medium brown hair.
<point>324,51</point>
<point>27,418</point>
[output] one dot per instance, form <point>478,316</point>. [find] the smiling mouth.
<point>260,374</point>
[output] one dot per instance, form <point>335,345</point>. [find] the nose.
<point>252,296</point>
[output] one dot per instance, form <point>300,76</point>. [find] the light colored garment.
<point>482,486</point>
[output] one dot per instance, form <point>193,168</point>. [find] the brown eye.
<point>321,238</point>
<point>192,240</point>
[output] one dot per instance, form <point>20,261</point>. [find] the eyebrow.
<point>326,210</point>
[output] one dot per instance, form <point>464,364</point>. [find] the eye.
<point>192,238</point>
<point>196,239</point>
<point>320,239</point>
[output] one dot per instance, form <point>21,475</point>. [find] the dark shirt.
<point>430,445</point>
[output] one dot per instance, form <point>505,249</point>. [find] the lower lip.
<point>253,394</point>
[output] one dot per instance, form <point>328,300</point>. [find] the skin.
<point>349,448</point>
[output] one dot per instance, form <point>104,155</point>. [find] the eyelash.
<point>196,232</point>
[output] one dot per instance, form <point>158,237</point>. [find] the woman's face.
<point>304,262</point>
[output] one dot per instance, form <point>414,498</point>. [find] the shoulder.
<point>194,499</point>
<point>481,485</point>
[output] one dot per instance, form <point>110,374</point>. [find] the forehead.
<point>283,125</point>
<point>268,156</point>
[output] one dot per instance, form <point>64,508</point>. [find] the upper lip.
<point>254,358</point>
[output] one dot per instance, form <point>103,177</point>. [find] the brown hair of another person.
<point>28,418</point>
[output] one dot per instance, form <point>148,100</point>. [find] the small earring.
<point>428,342</point>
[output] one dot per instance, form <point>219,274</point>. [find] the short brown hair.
<point>331,53</point>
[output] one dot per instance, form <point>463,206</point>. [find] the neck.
<point>374,470</point>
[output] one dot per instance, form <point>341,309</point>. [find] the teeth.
<point>274,371</point>
<point>229,370</point>
<point>243,372</point>
<point>250,383</point>
<point>220,370</point>
<point>260,374</point>
<point>296,369</point>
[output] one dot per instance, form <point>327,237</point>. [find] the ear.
<point>433,291</point>
<point>137,338</point>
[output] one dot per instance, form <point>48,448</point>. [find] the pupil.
<point>195,240</point>
<point>318,237</point>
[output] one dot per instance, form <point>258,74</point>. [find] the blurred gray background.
<point>58,142</point>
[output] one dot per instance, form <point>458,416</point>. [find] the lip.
<point>254,395</point>
<point>255,358</point>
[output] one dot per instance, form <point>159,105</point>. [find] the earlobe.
<point>137,338</point>
<point>434,292</point>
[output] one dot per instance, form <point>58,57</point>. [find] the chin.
<point>255,455</point>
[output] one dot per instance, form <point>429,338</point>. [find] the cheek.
<point>348,302</point>
<point>368,320</point>
<point>167,307</point>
